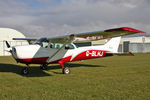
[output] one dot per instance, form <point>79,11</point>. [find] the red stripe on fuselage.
<point>63,60</point>
<point>89,54</point>
<point>40,60</point>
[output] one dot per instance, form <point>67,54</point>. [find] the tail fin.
<point>113,44</point>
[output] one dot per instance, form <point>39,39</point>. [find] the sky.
<point>40,18</point>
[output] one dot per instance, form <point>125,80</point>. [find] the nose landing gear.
<point>25,70</point>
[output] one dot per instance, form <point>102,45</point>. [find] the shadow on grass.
<point>71,65</point>
<point>35,71</point>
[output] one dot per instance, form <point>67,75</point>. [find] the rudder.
<point>113,44</point>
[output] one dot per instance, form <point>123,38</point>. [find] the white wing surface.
<point>92,36</point>
<point>88,36</point>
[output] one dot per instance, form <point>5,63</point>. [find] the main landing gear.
<point>65,70</point>
<point>43,66</point>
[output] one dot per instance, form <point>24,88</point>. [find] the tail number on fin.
<point>94,53</point>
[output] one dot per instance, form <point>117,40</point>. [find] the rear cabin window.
<point>59,45</point>
<point>69,46</point>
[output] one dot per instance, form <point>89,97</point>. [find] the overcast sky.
<point>36,18</point>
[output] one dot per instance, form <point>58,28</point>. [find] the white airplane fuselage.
<point>35,54</point>
<point>39,54</point>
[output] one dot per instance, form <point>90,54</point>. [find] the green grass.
<point>110,78</point>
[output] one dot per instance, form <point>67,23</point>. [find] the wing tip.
<point>132,30</point>
<point>125,29</point>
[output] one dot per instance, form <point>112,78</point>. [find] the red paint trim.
<point>40,60</point>
<point>63,60</point>
<point>125,29</point>
<point>89,54</point>
<point>132,30</point>
<point>61,64</point>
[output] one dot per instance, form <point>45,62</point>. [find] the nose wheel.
<point>25,70</point>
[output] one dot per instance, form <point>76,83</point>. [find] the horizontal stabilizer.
<point>125,54</point>
<point>122,54</point>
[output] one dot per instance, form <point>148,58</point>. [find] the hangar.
<point>8,34</point>
<point>138,44</point>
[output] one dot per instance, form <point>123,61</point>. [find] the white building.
<point>133,44</point>
<point>7,34</point>
<point>141,39</point>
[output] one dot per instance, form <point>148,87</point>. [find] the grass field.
<point>110,78</point>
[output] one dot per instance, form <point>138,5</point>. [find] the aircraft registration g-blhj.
<point>61,49</point>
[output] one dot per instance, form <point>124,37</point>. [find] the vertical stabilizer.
<point>113,44</point>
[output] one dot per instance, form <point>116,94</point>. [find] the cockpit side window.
<point>56,45</point>
<point>45,44</point>
<point>52,45</point>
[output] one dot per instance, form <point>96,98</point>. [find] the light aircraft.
<point>61,49</point>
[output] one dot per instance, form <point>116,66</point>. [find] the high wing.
<point>92,36</point>
<point>28,39</point>
<point>88,36</point>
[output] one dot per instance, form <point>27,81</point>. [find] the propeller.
<point>9,49</point>
<point>7,44</point>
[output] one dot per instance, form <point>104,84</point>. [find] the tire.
<point>25,71</point>
<point>43,67</point>
<point>66,70</point>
